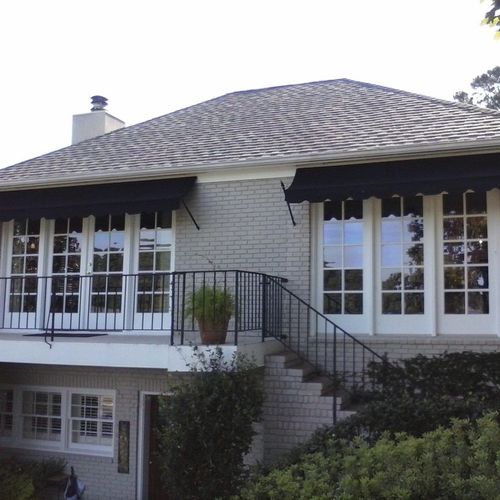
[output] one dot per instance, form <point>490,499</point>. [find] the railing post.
<point>173,305</point>
<point>236,305</point>
<point>265,282</point>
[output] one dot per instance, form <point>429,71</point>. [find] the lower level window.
<point>92,419</point>
<point>41,416</point>
<point>57,419</point>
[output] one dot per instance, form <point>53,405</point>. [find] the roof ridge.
<point>446,102</point>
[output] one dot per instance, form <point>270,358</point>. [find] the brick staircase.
<point>298,401</point>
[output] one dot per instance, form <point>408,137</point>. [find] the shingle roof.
<point>336,116</point>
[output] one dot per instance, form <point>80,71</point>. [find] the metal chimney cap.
<point>98,103</point>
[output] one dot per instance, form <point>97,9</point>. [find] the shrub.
<point>208,427</point>
<point>419,394</point>
<point>21,479</point>
<point>460,462</point>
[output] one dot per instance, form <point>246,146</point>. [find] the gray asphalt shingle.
<point>337,116</point>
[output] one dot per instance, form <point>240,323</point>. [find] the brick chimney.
<point>97,122</point>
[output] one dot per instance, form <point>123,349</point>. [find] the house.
<point>384,240</point>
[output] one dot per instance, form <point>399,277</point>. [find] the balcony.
<point>146,320</point>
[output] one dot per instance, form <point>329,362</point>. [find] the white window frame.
<point>65,445</point>
<point>130,266</point>
<point>433,321</point>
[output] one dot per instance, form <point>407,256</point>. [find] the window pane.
<point>353,233</point>
<point>391,255</point>
<point>332,303</point>
<point>477,228</point>
<point>391,231</point>
<point>453,253</point>
<point>162,261</point>
<point>477,252</point>
<point>148,220</point>
<point>454,303</point>
<point>164,219</point>
<point>353,279</point>
<point>391,303</point>
<point>477,277</point>
<point>414,303</point>
<point>146,261</point>
<point>453,228</point>
<point>414,279</point>
<point>147,240</point>
<point>413,255</point>
<point>332,234</point>
<point>353,256</point>
<point>332,257</point>
<point>332,280</point>
<point>413,229</point>
<point>353,303</point>
<point>391,279</point>
<point>454,278</point>
<point>478,303</point>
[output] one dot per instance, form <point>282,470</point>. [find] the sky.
<point>151,57</point>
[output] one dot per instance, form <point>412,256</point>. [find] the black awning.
<point>98,199</point>
<point>404,178</point>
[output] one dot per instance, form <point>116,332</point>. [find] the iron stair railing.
<point>317,340</point>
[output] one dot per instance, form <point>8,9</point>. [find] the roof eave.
<point>331,158</point>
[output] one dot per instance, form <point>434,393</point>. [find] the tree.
<point>486,90</point>
<point>492,17</point>
<point>208,427</point>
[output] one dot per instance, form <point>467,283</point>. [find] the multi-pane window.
<point>343,257</point>
<point>155,247</point>
<point>6,412</point>
<point>57,419</point>
<point>109,244</point>
<point>465,254</point>
<point>24,265</point>
<point>91,419</point>
<point>402,255</point>
<point>66,264</point>
<point>41,416</point>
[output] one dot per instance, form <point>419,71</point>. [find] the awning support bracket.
<point>190,214</point>
<point>289,207</point>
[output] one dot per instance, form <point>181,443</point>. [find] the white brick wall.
<point>245,225</point>
<point>99,473</point>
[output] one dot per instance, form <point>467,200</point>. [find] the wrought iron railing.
<point>318,340</point>
<point>200,295</point>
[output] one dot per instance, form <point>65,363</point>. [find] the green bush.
<point>208,427</point>
<point>419,394</point>
<point>22,479</point>
<point>460,462</point>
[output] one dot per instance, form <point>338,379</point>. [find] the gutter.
<point>304,160</point>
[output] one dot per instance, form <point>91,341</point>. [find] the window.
<point>410,265</point>
<point>58,419</point>
<point>41,416</point>
<point>402,255</point>
<point>92,273</point>
<point>91,419</point>
<point>24,266</point>
<point>465,254</point>
<point>343,257</point>
<point>155,246</point>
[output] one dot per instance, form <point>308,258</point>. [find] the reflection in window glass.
<point>155,248</point>
<point>465,254</point>
<point>402,255</point>
<point>24,262</point>
<point>343,257</point>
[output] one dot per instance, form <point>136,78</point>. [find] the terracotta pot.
<point>213,334</point>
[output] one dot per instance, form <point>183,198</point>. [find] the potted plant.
<point>212,307</point>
